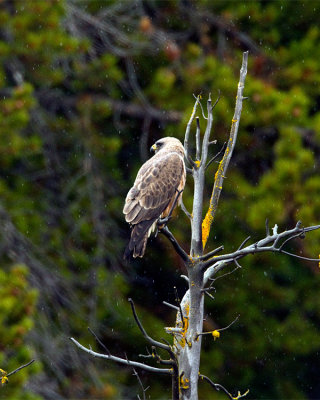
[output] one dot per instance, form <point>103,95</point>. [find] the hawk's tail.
<point>138,240</point>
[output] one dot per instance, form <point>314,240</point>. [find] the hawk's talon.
<point>164,221</point>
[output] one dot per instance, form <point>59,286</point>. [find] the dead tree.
<point>183,361</point>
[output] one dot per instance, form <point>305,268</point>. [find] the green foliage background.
<point>85,89</point>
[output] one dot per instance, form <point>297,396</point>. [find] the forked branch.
<point>172,371</point>
<point>272,243</point>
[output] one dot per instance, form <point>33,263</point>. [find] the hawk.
<point>158,183</point>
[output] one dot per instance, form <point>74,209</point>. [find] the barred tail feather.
<point>138,240</point>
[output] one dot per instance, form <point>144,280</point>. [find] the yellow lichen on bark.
<point>185,325</point>
<point>217,187</point>
<point>3,377</point>
<point>206,224</point>
<point>240,395</point>
<point>197,162</point>
<point>184,383</point>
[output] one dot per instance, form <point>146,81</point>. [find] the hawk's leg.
<point>163,221</point>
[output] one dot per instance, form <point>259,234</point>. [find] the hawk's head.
<point>169,144</point>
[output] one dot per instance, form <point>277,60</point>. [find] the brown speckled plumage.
<point>154,192</point>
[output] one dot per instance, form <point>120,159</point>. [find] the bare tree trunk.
<point>189,348</point>
<point>188,342</point>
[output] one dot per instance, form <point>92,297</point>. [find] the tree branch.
<point>218,387</point>
<point>183,208</point>
<point>206,137</point>
<point>217,155</point>
<point>99,341</point>
<point>170,305</point>
<point>267,227</point>
<point>187,133</point>
<point>144,333</point>
<point>165,231</point>
<point>135,373</point>
<point>18,369</point>
<point>198,144</point>
<point>269,243</point>
<point>211,253</point>
<point>214,332</point>
<point>224,163</point>
<point>122,360</point>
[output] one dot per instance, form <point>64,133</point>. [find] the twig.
<point>237,264</point>
<point>211,253</point>
<point>275,229</point>
<point>148,355</point>
<point>18,369</point>
<point>231,323</point>
<point>198,144</point>
<point>244,242</point>
<point>267,227</point>
<point>218,330</point>
<point>160,360</point>
<point>211,287</point>
<point>207,132</point>
<point>183,208</point>
<point>296,256</point>
<point>217,386</point>
<point>217,155</point>
<point>208,294</point>
<point>173,331</point>
<point>200,104</point>
<point>300,235</point>
<point>217,101</point>
<point>227,273</point>
<point>186,137</point>
<point>170,305</point>
<point>99,341</point>
<point>135,373</point>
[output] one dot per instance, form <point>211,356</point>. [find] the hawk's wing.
<point>155,187</point>
<point>156,184</point>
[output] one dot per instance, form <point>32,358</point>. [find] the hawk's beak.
<point>153,148</point>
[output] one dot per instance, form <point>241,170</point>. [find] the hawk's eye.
<point>159,144</point>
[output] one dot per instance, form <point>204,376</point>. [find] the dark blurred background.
<point>85,88</point>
